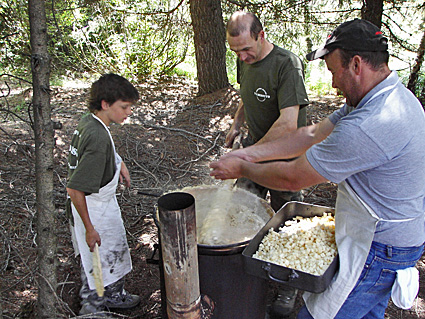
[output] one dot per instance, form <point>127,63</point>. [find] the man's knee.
<point>251,187</point>
<point>278,199</point>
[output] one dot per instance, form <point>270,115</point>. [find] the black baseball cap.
<point>355,35</point>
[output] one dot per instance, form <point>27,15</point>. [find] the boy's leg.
<point>116,297</point>
<point>91,302</point>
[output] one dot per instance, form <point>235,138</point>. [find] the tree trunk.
<point>414,75</point>
<point>210,45</point>
<point>43,132</point>
<point>372,11</point>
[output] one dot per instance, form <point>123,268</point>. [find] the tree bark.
<point>372,11</point>
<point>414,74</point>
<point>43,132</point>
<point>210,45</point>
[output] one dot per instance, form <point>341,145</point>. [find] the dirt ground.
<point>167,145</point>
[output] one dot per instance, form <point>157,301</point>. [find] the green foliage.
<point>140,38</point>
<point>231,59</point>
<point>297,26</point>
<point>320,87</point>
<point>20,106</point>
<point>318,79</point>
<point>420,83</point>
<point>14,38</point>
<point>133,38</point>
<point>184,72</point>
<point>127,38</point>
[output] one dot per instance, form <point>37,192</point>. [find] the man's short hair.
<point>111,88</point>
<point>375,59</point>
<point>238,24</point>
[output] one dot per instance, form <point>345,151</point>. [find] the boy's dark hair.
<point>111,88</point>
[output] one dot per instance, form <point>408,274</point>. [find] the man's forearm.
<point>239,117</point>
<point>291,176</point>
<point>285,124</point>
<point>290,145</point>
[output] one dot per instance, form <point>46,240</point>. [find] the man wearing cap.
<point>373,148</point>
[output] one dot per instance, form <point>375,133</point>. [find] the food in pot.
<point>226,215</point>
<point>304,244</point>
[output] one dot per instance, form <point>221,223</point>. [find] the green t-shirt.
<point>91,160</point>
<point>269,85</point>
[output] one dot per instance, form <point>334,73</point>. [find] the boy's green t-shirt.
<point>91,160</point>
<point>269,85</point>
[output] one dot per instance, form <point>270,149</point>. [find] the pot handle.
<point>292,276</point>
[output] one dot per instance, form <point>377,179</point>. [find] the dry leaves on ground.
<point>167,145</point>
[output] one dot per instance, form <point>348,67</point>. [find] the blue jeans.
<point>369,298</point>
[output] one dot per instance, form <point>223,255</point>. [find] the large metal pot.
<point>235,293</point>
<point>227,216</point>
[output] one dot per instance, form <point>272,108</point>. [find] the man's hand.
<point>227,168</point>
<point>238,121</point>
<point>92,237</point>
<point>241,153</point>
<point>230,137</point>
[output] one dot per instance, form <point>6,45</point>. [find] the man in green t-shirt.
<point>273,100</point>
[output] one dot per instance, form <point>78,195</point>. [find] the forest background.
<point>142,38</point>
<point>63,43</point>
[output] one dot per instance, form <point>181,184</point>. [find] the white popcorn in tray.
<point>304,244</point>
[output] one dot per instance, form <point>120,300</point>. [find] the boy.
<point>94,169</point>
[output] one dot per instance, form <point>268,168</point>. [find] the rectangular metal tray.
<point>288,276</point>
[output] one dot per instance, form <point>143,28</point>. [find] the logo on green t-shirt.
<point>261,94</point>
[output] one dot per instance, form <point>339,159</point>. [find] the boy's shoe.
<point>122,300</point>
<point>284,303</point>
<point>96,312</point>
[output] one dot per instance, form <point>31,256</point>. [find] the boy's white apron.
<point>105,215</point>
<point>355,224</point>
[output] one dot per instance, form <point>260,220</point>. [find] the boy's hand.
<point>125,175</point>
<point>92,237</point>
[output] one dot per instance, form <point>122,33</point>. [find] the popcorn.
<point>305,244</point>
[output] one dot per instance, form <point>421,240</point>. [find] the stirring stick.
<point>97,272</point>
